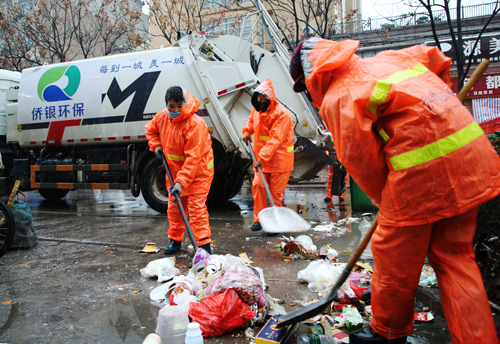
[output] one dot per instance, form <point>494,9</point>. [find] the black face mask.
<point>264,106</point>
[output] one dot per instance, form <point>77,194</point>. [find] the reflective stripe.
<point>381,90</point>
<point>175,157</point>
<point>210,164</point>
<point>263,138</point>
<point>437,149</point>
<point>289,149</point>
<point>384,135</point>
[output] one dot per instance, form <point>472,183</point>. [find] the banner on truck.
<point>102,90</point>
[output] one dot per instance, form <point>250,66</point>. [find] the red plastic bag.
<point>221,313</point>
<point>357,289</point>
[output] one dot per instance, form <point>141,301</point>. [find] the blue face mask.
<point>173,115</point>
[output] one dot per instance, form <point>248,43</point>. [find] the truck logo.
<point>59,83</point>
<point>140,89</point>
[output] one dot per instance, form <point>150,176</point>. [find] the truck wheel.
<point>53,194</point>
<point>153,185</point>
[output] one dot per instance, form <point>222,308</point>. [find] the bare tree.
<point>48,31</point>
<point>297,19</point>
<point>171,18</point>
<point>455,28</point>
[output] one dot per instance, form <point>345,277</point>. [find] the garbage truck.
<point>80,124</point>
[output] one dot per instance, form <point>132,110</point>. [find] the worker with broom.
<point>417,152</point>
<point>183,138</point>
<point>273,128</point>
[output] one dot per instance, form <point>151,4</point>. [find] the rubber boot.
<point>368,336</point>
<point>256,227</point>
<point>206,247</point>
<point>173,247</point>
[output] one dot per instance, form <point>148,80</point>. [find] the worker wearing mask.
<point>272,127</point>
<point>417,152</point>
<point>183,138</point>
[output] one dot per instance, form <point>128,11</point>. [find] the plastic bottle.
<point>193,334</point>
<point>315,339</point>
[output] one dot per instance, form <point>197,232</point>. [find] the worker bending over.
<point>417,152</point>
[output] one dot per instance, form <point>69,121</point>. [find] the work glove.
<point>177,188</point>
<point>247,137</point>
<point>159,152</point>
<point>258,163</point>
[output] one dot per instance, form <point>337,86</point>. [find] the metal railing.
<point>419,18</point>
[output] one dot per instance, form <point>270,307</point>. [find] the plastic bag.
<point>25,236</point>
<point>184,299</point>
<point>427,277</point>
<point>321,275</point>
<point>163,268</point>
<point>363,227</point>
<point>244,281</point>
<point>220,313</point>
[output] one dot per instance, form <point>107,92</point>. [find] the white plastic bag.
<point>184,299</point>
<point>363,227</point>
<point>163,268</point>
<point>321,275</point>
<point>306,242</point>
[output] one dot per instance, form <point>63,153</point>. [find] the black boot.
<point>256,226</point>
<point>206,247</point>
<point>368,336</point>
<point>173,247</point>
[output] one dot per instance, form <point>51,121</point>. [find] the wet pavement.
<point>76,285</point>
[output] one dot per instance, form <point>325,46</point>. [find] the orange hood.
<point>189,108</point>
<point>267,89</point>
<point>321,60</point>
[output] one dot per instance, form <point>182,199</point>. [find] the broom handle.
<point>13,194</point>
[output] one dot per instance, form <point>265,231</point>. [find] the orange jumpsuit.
<point>416,151</point>
<point>273,144</point>
<point>331,170</point>
<point>187,146</point>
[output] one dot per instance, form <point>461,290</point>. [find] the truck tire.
<point>153,185</point>
<point>53,194</point>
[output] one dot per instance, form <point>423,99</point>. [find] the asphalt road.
<point>76,285</point>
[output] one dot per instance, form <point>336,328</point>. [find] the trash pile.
<point>220,293</point>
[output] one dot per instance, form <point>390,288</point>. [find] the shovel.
<point>317,307</point>
<point>278,219</point>
<point>179,203</point>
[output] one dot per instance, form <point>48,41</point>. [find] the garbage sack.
<point>220,313</point>
<point>163,268</point>
<point>25,236</point>
<point>363,227</point>
<point>244,281</point>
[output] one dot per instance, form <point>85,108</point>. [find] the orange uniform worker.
<point>273,128</point>
<point>185,141</point>
<point>419,155</point>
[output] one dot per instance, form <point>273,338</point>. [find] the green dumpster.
<point>359,200</point>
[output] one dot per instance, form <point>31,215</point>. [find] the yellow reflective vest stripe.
<point>263,138</point>
<point>175,157</point>
<point>289,149</point>
<point>381,90</point>
<point>210,164</point>
<point>384,135</point>
<point>437,149</point>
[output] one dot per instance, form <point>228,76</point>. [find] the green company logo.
<point>48,92</point>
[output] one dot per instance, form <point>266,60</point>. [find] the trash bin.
<point>359,200</point>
